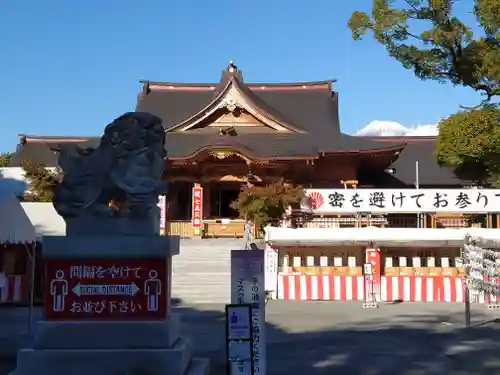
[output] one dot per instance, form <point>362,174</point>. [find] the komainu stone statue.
<point>126,168</point>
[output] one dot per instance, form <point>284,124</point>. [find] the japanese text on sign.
<point>197,207</point>
<point>402,200</point>
<point>247,279</point>
<point>256,325</point>
<point>162,205</point>
<point>105,288</point>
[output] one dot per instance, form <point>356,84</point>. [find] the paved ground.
<point>316,338</point>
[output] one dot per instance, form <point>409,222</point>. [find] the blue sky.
<point>70,67</point>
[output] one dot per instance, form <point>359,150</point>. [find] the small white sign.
<point>248,288</point>
<point>238,322</point>
<point>162,205</point>
<point>368,268</point>
<point>239,351</point>
<point>241,368</point>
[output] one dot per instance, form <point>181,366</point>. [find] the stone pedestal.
<point>82,342</point>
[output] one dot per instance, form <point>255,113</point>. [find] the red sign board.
<point>106,289</point>
<point>197,207</point>
<point>373,257</point>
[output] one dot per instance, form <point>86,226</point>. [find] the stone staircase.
<point>201,273</point>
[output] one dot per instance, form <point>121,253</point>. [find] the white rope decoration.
<point>483,266</point>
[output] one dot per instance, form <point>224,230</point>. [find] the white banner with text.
<point>326,201</point>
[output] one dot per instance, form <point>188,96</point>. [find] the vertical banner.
<point>162,204</point>
<point>271,267</point>
<point>373,258</point>
<point>197,211</point>
<point>247,286</point>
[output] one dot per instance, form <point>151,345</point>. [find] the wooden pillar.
<point>207,209</point>
<point>431,221</point>
<point>489,221</point>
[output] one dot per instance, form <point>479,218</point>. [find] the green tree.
<point>428,37</point>
<point>41,180</point>
<point>5,159</point>
<point>266,205</point>
<point>470,141</point>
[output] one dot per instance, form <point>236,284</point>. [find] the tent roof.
<point>15,226</point>
<point>380,237</point>
<point>45,219</point>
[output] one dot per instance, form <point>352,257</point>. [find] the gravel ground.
<point>342,338</point>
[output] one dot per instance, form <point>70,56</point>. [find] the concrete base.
<point>116,335</point>
<point>113,226</point>
<point>110,347</point>
<point>110,247</point>
<point>174,361</point>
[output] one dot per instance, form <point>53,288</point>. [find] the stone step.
<point>195,259</point>
<point>193,285</point>
<point>201,296</point>
<point>203,267</point>
<point>208,289</point>
<point>202,272</point>
<point>105,361</point>
<point>200,281</point>
<point>201,275</point>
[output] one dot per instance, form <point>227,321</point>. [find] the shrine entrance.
<point>222,195</point>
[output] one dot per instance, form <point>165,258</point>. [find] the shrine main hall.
<point>224,135</point>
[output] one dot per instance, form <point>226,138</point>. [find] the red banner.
<point>106,289</point>
<point>197,211</point>
<point>373,257</point>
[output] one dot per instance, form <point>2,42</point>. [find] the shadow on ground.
<point>410,344</point>
<point>317,338</point>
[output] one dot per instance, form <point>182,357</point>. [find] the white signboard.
<point>238,322</point>
<point>327,201</point>
<point>367,268</point>
<point>241,368</point>
<point>162,202</point>
<point>247,286</point>
<point>239,351</point>
<point>271,276</point>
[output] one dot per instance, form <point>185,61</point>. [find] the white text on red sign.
<point>98,272</point>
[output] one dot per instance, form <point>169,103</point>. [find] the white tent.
<point>15,226</point>
<point>380,237</point>
<point>45,219</point>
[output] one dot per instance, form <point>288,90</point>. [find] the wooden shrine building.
<point>222,135</point>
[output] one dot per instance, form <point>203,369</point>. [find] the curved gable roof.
<point>234,93</point>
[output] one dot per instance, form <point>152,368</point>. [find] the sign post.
<point>271,276</point>
<point>239,337</point>
<point>372,278</point>
<point>247,287</point>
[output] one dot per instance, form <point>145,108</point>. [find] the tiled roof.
<point>308,108</point>
<point>421,150</point>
